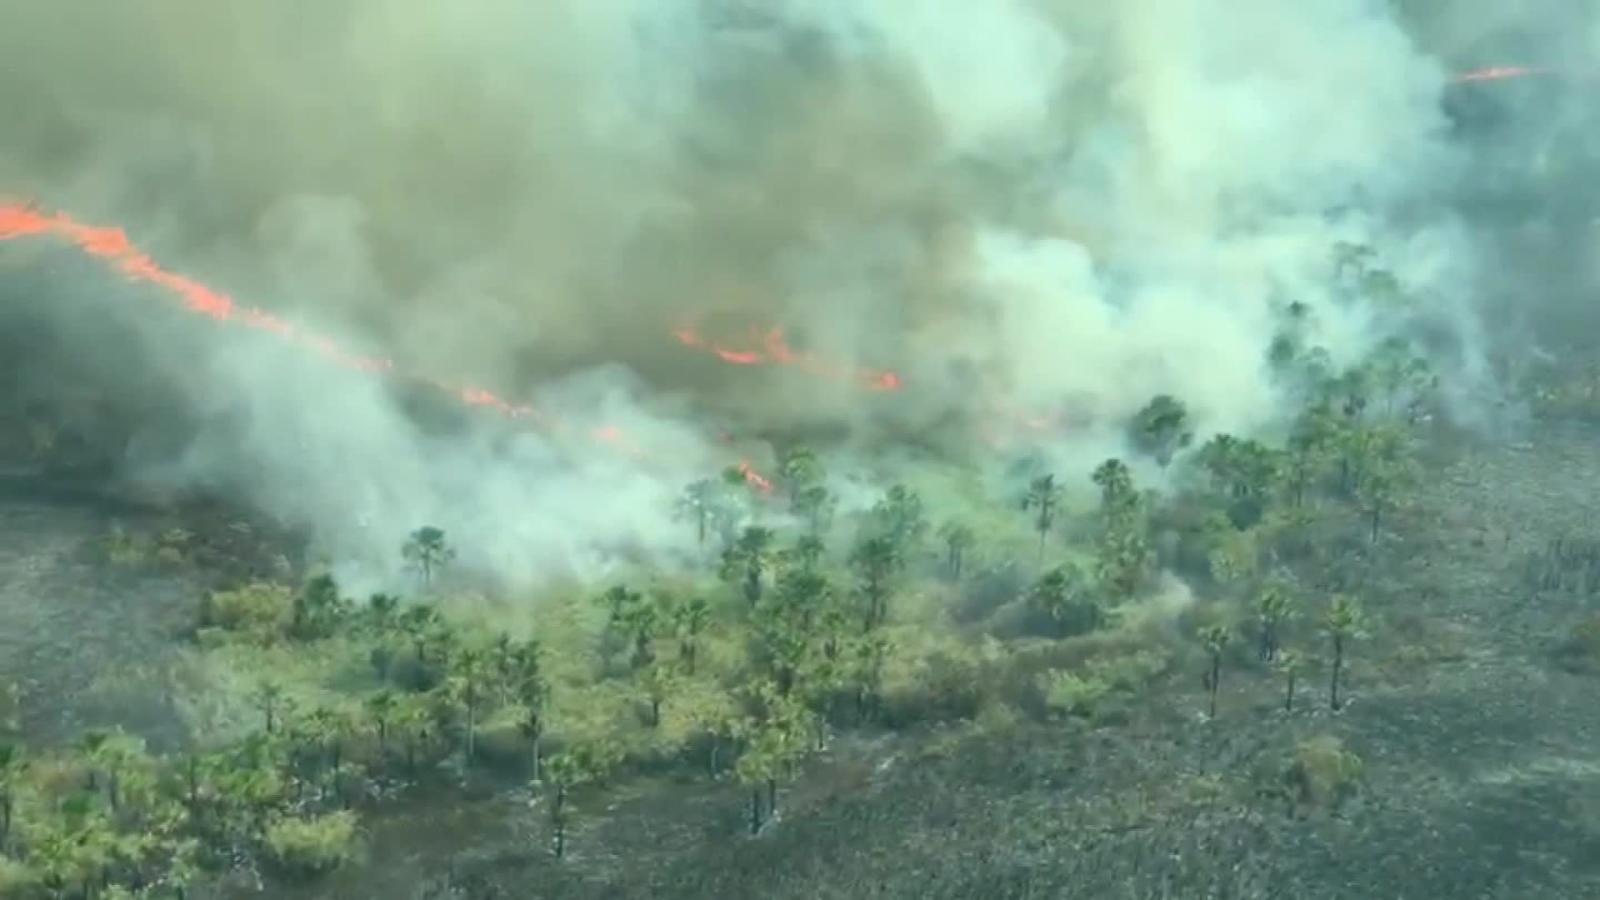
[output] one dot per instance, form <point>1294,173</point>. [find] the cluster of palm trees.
<point>812,627</point>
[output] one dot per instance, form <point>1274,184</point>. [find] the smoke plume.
<point>1019,208</point>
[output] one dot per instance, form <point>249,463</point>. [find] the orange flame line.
<point>113,246</point>
<point>775,351</point>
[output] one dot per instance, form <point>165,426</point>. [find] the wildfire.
<point>775,351</point>
<point>112,246</point>
<point>753,478</point>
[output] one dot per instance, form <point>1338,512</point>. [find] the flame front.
<point>775,351</point>
<point>112,246</point>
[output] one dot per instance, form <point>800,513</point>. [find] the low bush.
<point>1322,772</point>
<point>314,846</point>
<point>1073,694</point>
<point>259,612</point>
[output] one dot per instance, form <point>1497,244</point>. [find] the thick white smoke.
<point>1020,205</point>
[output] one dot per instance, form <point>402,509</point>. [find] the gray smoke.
<point>1021,206</point>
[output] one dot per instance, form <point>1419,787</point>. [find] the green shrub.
<point>17,879</point>
<point>1073,694</point>
<point>1323,772</point>
<point>124,549</point>
<point>1129,672</point>
<point>314,846</point>
<point>258,611</point>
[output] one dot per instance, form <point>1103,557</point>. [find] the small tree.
<point>1382,466</point>
<point>641,620</point>
<point>958,539</point>
<point>532,692</point>
<point>12,765</point>
<point>1123,562</point>
<point>426,551</point>
<point>1215,638</point>
<point>269,699</point>
<point>565,771</point>
<point>381,708</point>
<point>899,516</point>
<point>1274,607</point>
<point>1118,498</point>
<point>1042,499</point>
<point>1343,623</point>
<point>1161,429</point>
<point>1058,593</point>
<point>466,684</point>
<point>875,560</point>
<point>815,504</point>
<point>747,561</point>
<point>806,552</point>
<point>420,623</point>
<point>798,469</point>
<point>699,504</point>
<point>756,766</point>
<point>318,609</point>
<point>1289,663</point>
<point>583,763</point>
<point>656,684</point>
<point>689,618</point>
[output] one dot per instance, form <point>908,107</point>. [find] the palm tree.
<point>1123,562</point>
<point>656,683</point>
<point>12,765</point>
<point>1161,429</point>
<point>875,560</point>
<point>580,764</point>
<point>318,608</point>
<point>419,623</point>
<point>867,657</point>
<point>784,627</point>
<point>619,602</point>
<point>807,551</point>
<point>426,551</point>
<point>1215,638</point>
<point>1289,662</point>
<point>899,516</point>
<point>119,756</point>
<point>640,619</point>
<point>1043,496</point>
<point>1057,592</point>
<point>1115,481</point>
<point>89,744</point>
<point>958,539</point>
<point>1343,623</point>
<point>381,706</point>
<point>689,618</point>
<point>467,667</point>
<point>698,504</point>
<point>1383,466</point>
<point>747,560</point>
<point>1274,607</point>
<point>815,504</point>
<point>325,728</point>
<point>381,612</point>
<point>1315,435</point>
<point>412,720</point>
<point>798,469</point>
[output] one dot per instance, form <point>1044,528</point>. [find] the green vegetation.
<point>803,622</point>
<point>1322,772</point>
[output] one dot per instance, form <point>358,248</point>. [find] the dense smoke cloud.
<point>1017,205</point>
